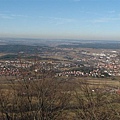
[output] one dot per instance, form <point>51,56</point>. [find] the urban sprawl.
<point>78,62</point>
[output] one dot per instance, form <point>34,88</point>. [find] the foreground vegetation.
<point>46,97</point>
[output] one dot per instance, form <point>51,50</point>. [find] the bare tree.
<point>35,98</point>
<point>95,103</point>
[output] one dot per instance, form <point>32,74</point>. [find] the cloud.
<point>58,20</point>
<point>112,11</point>
<point>103,20</point>
<point>63,19</point>
<point>13,15</point>
<point>10,16</point>
<point>5,16</point>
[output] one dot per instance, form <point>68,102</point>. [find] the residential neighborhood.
<point>78,62</point>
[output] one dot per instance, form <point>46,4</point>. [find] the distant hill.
<point>21,48</point>
<point>31,44</point>
<point>92,45</point>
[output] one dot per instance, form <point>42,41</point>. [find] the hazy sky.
<point>81,19</point>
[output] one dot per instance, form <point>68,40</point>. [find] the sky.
<point>60,19</point>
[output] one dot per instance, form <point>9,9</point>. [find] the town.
<point>78,62</point>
